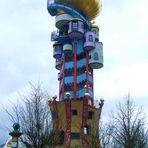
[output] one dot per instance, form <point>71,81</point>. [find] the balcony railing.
<point>57,36</point>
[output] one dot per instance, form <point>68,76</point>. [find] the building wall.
<point>76,121</point>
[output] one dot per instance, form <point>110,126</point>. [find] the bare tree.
<point>34,117</point>
<point>127,128</point>
<point>105,134</point>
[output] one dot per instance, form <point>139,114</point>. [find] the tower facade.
<point>77,52</point>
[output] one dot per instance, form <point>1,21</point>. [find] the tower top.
<point>89,8</point>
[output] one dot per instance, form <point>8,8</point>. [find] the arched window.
<point>96,57</point>
<point>90,115</point>
<point>75,26</point>
<point>90,38</point>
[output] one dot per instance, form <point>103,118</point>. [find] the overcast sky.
<point>26,52</point>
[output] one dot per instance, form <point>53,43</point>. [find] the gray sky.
<point>26,52</point>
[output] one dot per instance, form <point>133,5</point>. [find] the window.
<point>61,138</point>
<point>75,26</point>
<point>74,112</point>
<point>90,115</point>
<point>86,130</point>
<point>96,56</point>
<point>75,135</point>
<point>90,38</point>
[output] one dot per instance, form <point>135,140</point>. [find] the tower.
<point>77,52</point>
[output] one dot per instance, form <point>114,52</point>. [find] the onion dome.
<point>90,8</point>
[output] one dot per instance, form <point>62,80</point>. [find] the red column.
<point>87,83</point>
<point>92,88</point>
<point>68,128</point>
<point>63,78</point>
<point>75,70</point>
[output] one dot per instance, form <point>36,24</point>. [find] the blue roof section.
<point>80,93</point>
<point>79,46</point>
<point>69,65</point>
<point>81,78</point>
<point>90,93</point>
<point>81,63</point>
<point>90,78</point>
<point>69,79</point>
<point>52,9</point>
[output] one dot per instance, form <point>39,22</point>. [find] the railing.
<point>57,36</point>
<point>54,35</point>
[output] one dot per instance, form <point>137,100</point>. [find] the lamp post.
<point>15,135</point>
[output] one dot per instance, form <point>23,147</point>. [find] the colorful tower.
<point>77,52</point>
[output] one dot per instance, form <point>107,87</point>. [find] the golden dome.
<point>91,8</point>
